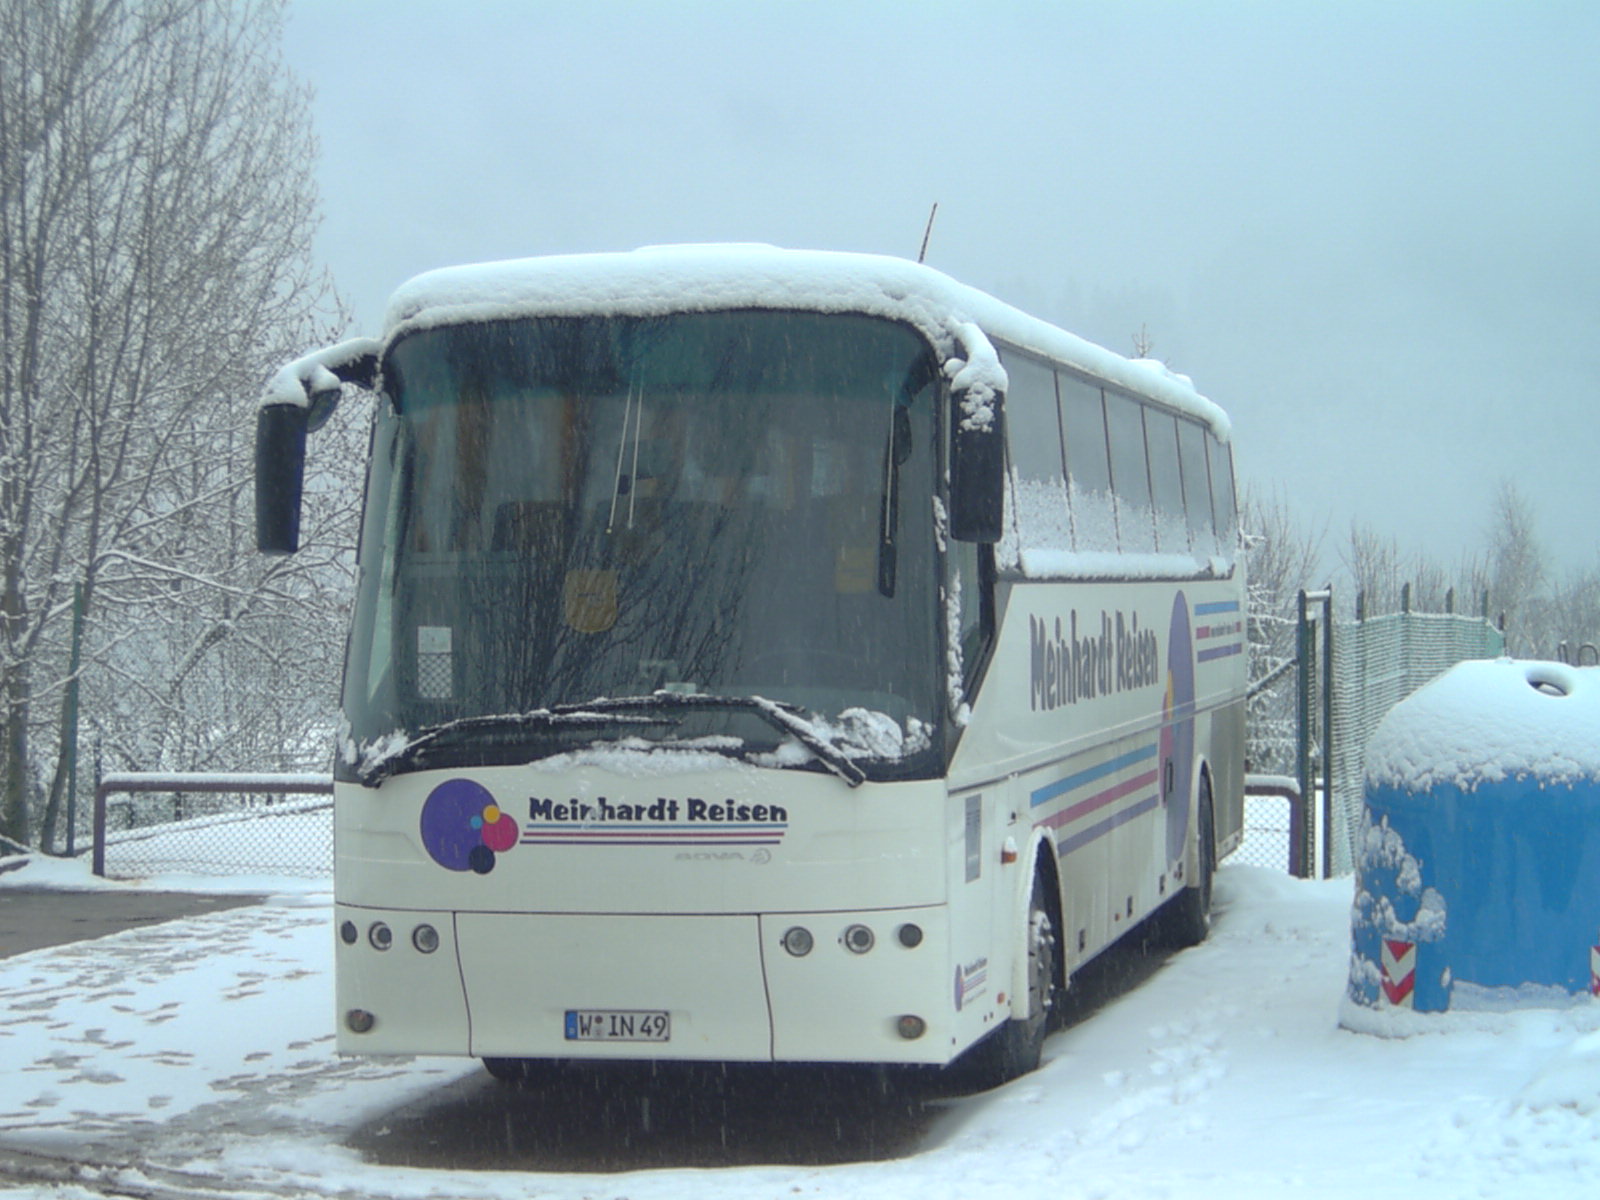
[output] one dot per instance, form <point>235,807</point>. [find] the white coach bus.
<point>763,656</point>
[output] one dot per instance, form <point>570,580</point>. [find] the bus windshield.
<point>733,507</point>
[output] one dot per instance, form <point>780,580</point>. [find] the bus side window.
<point>1166,481</point>
<point>1033,430</point>
<point>1130,473</point>
<point>1083,428</point>
<point>1196,487</point>
<point>970,571</point>
<point>1223,505</point>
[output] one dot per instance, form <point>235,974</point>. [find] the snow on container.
<point>1478,858</point>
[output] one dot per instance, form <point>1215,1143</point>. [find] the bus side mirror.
<point>977,465</point>
<point>280,476</point>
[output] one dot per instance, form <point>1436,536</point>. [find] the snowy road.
<point>193,1058</point>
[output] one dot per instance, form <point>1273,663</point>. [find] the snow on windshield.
<point>855,733</point>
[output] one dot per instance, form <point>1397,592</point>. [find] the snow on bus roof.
<point>657,280</point>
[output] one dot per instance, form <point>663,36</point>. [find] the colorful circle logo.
<point>463,828</point>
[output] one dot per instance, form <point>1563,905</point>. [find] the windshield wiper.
<point>376,766</point>
<point>782,716</point>
<point>653,709</point>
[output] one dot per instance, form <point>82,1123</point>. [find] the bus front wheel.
<point>1017,1046</point>
<point>522,1072</point>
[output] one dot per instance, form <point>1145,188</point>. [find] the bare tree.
<point>1385,579</point>
<point>156,213</point>
<point>1281,560</point>
<point>1516,569</point>
<point>1377,569</point>
<point>1143,344</point>
<point>1573,618</point>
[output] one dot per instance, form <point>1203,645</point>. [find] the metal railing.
<point>186,827</point>
<point>1277,839</point>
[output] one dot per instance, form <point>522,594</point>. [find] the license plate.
<point>618,1025</point>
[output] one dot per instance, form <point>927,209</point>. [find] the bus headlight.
<point>359,1020</point>
<point>798,941</point>
<point>858,939</point>
<point>425,938</point>
<point>380,935</point>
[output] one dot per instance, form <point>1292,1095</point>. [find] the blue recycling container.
<point>1478,855</point>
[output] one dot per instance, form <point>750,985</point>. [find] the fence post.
<point>1306,650</point>
<point>1329,766</point>
<point>1306,655</point>
<point>98,861</point>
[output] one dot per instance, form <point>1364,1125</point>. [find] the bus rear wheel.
<point>1186,919</point>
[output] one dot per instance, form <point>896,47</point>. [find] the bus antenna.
<point>928,232</point>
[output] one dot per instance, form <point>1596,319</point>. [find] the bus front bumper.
<point>870,987</point>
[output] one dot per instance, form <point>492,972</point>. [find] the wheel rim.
<point>1041,970</point>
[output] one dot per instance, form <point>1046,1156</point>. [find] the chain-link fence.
<point>1275,818</point>
<point>224,824</point>
<point>1352,674</point>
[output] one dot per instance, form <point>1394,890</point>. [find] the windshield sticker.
<point>589,600</point>
<point>463,828</point>
<point>665,821</point>
<point>1068,666</point>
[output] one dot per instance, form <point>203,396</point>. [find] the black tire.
<point>522,1072</point>
<point>1016,1047</point>
<point>1186,919</point>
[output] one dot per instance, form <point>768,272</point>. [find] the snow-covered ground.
<point>196,1055</point>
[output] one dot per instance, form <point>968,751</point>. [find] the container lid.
<point>1491,720</point>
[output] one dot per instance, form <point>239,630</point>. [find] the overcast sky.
<point>1370,231</point>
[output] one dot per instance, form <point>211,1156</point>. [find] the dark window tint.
<point>1031,419</point>
<point>973,613</point>
<point>724,504</point>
